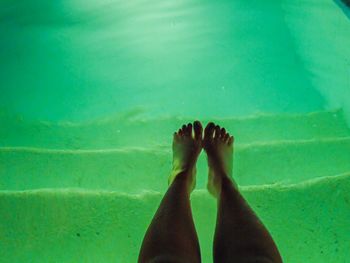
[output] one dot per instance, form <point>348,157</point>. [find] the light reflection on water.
<point>85,59</point>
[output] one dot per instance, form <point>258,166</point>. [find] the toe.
<point>227,136</point>
<point>217,132</point>
<point>230,141</point>
<point>184,128</point>
<point>222,133</point>
<point>189,130</point>
<point>179,132</point>
<point>209,130</point>
<point>198,129</point>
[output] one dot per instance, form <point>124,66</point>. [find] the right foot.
<point>218,145</point>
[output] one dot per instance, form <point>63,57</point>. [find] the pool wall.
<point>321,41</point>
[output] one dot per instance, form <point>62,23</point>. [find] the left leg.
<point>171,236</point>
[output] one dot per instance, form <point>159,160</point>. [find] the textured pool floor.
<point>309,222</point>
<point>94,204</point>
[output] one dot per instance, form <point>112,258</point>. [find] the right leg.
<point>239,236</point>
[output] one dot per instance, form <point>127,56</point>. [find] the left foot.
<point>186,148</point>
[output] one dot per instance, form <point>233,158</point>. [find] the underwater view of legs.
<point>171,236</point>
<point>239,236</point>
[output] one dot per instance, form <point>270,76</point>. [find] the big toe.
<point>209,131</point>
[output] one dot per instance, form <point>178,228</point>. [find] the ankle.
<point>226,181</point>
<point>183,177</point>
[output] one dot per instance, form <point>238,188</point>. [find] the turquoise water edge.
<point>92,91</point>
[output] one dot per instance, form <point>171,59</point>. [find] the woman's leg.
<point>239,236</point>
<point>171,236</point>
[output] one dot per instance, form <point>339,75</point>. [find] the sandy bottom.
<point>309,222</point>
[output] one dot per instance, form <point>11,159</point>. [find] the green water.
<point>91,92</point>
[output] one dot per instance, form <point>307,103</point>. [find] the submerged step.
<point>309,222</point>
<point>134,169</point>
<point>125,131</point>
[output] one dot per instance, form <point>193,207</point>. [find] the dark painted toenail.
<point>223,131</point>
<point>210,125</point>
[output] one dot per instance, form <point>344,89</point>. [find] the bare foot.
<point>218,145</point>
<point>186,149</point>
